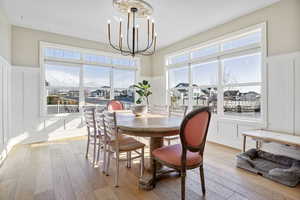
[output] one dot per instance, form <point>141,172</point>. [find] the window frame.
<point>44,60</point>
<point>260,47</point>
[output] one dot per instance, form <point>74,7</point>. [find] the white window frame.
<point>43,60</point>
<point>245,50</point>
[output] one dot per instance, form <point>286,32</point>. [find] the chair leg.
<point>108,162</point>
<point>128,159</point>
<point>104,151</point>
<point>117,170</point>
<point>142,162</point>
<point>87,148</point>
<point>183,175</point>
<point>98,152</point>
<point>154,173</point>
<point>202,180</point>
<point>95,148</point>
<point>169,142</point>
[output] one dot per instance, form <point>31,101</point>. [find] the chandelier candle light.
<point>134,9</point>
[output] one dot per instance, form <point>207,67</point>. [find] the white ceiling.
<point>175,19</point>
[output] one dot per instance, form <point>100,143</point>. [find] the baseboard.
<point>10,145</point>
<point>40,137</point>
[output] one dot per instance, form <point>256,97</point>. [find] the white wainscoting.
<point>5,114</point>
<point>26,111</point>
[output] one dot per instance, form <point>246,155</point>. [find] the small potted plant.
<point>143,89</point>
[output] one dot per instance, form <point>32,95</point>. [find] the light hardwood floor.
<point>58,170</point>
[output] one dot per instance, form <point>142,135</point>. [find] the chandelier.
<point>129,45</point>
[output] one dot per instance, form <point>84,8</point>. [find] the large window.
<point>62,86</point>
<point>73,78</point>
<point>225,75</point>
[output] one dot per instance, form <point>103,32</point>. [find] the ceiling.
<point>87,19</point>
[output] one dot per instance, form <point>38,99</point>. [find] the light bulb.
<point>108,21</point>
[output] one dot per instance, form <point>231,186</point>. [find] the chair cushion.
<point>172,155</point>
<point>127,144</point>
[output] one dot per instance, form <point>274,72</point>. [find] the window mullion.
<point>112,93</point>
<point>190,101</point>
<point>220,89</point>
<point>81,87</point>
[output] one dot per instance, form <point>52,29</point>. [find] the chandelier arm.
<point>133,33</point>
<point>150,52</point>
<point>128,26</point>
<point>147,48</point>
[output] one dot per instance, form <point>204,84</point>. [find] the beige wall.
<point>25,47</point>
<point>283,32</point>
<point>5,37</point>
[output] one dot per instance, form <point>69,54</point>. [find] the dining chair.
<point>99,118</point>
<point>94,136</point>
<point>178,111</point>
<point>158,109</point>
<point>115,105</point>
<point>116,142</point>
<point>188,154</point>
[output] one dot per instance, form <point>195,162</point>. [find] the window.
<point>242,80</point>
<point>205,81</point>
<point>225,75</point>
<point>242,101</point>
<point>60,53</point>
<point>96,82</point>
<point>205,51</point>
<point>123,85</point>
<point>178,59</point>
<point>80,77</point>
<point>62,86</point>
<point>96,59</point>
<point>179,86</point>
<point>242,41</point>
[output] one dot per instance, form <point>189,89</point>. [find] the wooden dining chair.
<point>158,109</point>
<point>188,154</point>
<point>118,143</point>
<point>99,118</point>
<point>94,136</point>
<point>115,105</point>
<point>179,111</point>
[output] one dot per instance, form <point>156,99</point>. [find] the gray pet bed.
<point>279,168</point>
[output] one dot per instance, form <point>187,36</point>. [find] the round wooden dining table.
<point>153,126</point>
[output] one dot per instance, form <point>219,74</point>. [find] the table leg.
<point>244,143</point>
<point>155,143</point>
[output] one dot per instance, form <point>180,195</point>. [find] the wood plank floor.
<point>58,170</point>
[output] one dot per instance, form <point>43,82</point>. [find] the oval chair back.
<point>179,111</point>
<point>115,105</point>
<point>193,131</point>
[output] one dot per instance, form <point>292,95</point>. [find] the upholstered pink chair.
<point>188,154</point>
<point>115,105</point>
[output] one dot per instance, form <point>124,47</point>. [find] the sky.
<point>94,76</point>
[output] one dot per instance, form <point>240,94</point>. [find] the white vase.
<point>139,110</point>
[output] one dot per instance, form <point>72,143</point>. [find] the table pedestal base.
<point>146,182</point>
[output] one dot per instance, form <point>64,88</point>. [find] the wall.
<point>26,84</point>
<point>5,37</point>
<point>283,35</point>
<point>25,47</point>
<point>283,31</point>
<point>6,139</point>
